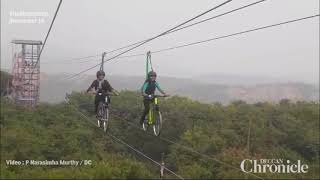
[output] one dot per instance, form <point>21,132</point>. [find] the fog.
<point>89,27</point>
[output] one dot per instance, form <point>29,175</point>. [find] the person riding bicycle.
<point>102,86</point>
<point>147,90</point>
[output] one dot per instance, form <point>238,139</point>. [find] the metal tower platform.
<point>25,75</point>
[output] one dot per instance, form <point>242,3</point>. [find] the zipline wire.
<point>238,33</point>
<point>220,37</point>
<point>45,40</point>
<point>184,27</point>
<point>191,150</point>
<point>169,141</point>
<point>177,26</point>
<point>124,143</point>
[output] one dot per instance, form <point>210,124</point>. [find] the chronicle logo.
<point>273,166</point>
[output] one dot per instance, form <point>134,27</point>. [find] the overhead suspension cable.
<point>184,27</point>
<point>124,143</point>
<point>187,26</point>
<point>191,150</point>
<point>92,60</point>
<point>235,34</point>
<point>130,49</point>
<point>228,12</point>
<point>168,141</point>
<point>225,36</point>
<point>80,58</point>
<point>70,62</point>
<point>45,40</point>
<point>219,37</point>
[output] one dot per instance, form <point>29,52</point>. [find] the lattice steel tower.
<point>25,75</point>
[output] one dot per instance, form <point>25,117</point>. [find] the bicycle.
<point>154,117</point>
<point>103,110</point>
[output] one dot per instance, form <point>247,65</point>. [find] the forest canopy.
<point>220,134</point>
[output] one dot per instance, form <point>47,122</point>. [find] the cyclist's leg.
<point>96,103</point>
<point>146,103</point>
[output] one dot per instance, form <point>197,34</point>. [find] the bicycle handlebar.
<point>155,95</point>
<point>109,94</point>
<point>100,93</point>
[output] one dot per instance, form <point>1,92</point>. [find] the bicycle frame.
<point>151,110</point>
<point>103,113</point>
<point>104,101</point>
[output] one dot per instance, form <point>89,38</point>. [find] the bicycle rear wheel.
<point>157,122</point>
<point>105,119</point>
<point>145,125</point>
<point>148,121</point>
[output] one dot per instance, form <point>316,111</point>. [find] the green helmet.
<point>152,73</point>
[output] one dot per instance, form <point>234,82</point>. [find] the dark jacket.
<point>103,86</point>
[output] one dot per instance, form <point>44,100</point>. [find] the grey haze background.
<point>88,27</point>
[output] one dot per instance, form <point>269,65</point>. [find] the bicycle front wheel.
<point>106,119</point>
<point>157,123</point>
<point>100,114</point>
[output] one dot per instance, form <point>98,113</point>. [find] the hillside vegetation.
<point>5,79</point>
<point>53,89</point>
<point>277,131</point>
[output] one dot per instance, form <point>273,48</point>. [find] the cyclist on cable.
<point>147,90</point>
<point>102,89</point>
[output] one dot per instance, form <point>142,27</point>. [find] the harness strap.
<point>102,61</point>
<point>148,64</point>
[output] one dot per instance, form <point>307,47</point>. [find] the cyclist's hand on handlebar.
<point>116,92</point>
<point>149,96</point>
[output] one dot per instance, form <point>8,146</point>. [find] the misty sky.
<point>89,27</point>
